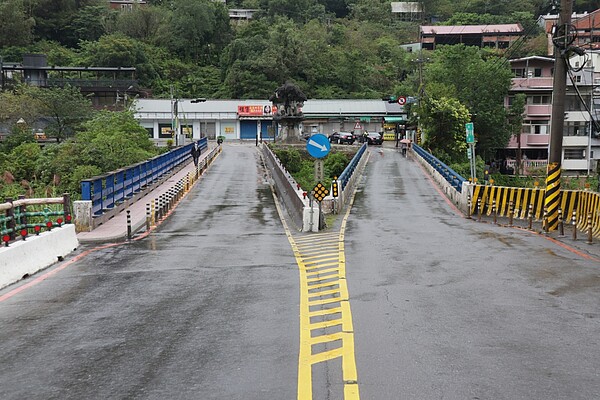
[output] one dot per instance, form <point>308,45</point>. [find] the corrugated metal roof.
<point>311,107</point>
<point>469,29</point>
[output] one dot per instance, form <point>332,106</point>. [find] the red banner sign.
<point>256,111</point>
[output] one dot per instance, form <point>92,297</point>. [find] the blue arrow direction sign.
<point>318,146</point>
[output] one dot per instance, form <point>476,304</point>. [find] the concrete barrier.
<point>26,257</point>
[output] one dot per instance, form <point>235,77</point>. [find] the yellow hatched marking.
<point>323,275</point>
<point>318,294</point>
<point>321,266</point>
<point>327,355</point>
<point>319,274</point>
<point>321,257</point>
<point>327,311</point>
<point>328,257</point>
<point>325,324</point>
<point>326,301</point>
<point>323,285</point>
<point>327,338</point>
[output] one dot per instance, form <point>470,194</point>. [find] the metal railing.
<point>22,217</point>
<point>349,170</point>
<point>448,173</point>
<point>108,191</point>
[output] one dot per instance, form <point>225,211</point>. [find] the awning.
<point>394,119</point>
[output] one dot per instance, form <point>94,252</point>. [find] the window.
<point>537,127</point>
<point>539,99</point>
<point>574,154</point>
<point>576,128</point>
<point>518,72</point>
<point>165,131</point>
<point>573,103</point>
<point>537,72</point>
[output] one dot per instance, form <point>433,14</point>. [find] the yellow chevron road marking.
<point>324,306</point>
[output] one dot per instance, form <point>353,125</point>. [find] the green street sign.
<point>470,132</point>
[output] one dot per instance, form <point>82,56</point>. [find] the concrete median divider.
<point>26,257</point>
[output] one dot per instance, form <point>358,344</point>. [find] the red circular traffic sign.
<point>402,100</point>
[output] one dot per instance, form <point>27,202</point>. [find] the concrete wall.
<point>26,257</point>
<point>461,200</point>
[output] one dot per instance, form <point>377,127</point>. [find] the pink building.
<point>495,36</point>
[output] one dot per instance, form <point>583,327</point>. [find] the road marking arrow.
<point>317,145</point>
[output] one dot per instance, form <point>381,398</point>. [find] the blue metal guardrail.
<point>448,173</point>
<point>349,170</point>
<point>108,191</point>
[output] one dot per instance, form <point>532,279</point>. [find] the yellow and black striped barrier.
<point>488,200</point>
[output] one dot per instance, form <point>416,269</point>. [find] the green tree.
<point>112,140</point>
<point>148,24</point>
<point>196,24</point>
<point>23,161</point>
<point>480,84</point>
<point>16,27</point>
<point>444,121</point>
<point>90,22</point>
<point>65,109</point>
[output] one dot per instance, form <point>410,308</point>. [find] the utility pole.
<point>562,39</point>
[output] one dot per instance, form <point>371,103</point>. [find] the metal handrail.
<point>109,190</point>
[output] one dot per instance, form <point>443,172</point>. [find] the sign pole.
<point>470,130</point>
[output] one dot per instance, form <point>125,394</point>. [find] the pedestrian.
<point>195,152</point>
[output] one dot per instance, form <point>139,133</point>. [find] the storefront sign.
<point>256,111</point>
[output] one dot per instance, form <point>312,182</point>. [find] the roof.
<point>371,107</point>
<point>406,7</point>
<point>532,58</point>
<point>470,29</point>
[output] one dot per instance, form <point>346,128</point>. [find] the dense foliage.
<point>329,48</point>
<point>302,166</point>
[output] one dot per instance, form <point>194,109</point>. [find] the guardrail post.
<point>148,217</point>
<point>159,208</point>
<point>494,211</point>
<point>153,212</point>
<point>511,212</point>
<point>66,205</point>
<point>530,217</point>
<point>22,214</point>
<point>574,222</point>
<point>479,210</point>
<point>128,224</point>
<point>10,216</point>
<point>561,227</point>
<point>589,228</point>
<point>469,204</point>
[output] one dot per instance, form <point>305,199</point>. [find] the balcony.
<point>536,140</point>
<point>539,110</point>
<point>532,83</point>
<point>529,141</point>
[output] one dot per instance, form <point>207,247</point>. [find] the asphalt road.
<point>207,306</point>
<point>204,308</point>
<point>449,308</point>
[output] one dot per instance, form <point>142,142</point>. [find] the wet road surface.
<point>207,307</point>
<point>449,308</point>
<point>204,308</point>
